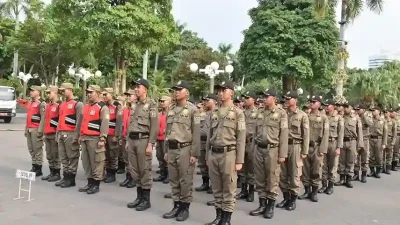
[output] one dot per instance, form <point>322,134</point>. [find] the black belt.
<point>203,138</point>
<point>173,144</point>
<point>261,145</point>
<point>294,141</point>
<point>223,149</point>
<point>398,135</point>
<point>375,137</point>
<point>332,139</point>
<point>366,138</point>
<point>138,135</point>
<point>313,143</point>
<point>348,139</point>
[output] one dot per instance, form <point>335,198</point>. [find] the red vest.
<point>113,119</point>
<point>91,119</point>
<point>67,119</point>
<point>33,114</point>
<point>51,121</point>
<point>162,120</point>
<point>125,115</point>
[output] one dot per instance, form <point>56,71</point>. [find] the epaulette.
<point>116,103</point>
<point>101,104</point>
<point>59,102</point>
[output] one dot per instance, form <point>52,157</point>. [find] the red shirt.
<point>162,118</point>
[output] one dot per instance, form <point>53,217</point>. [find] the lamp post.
<point>211,71</point>
<point>82,73</point>
<point>25,78</point>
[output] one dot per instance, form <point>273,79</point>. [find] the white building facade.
<point>377,61</point>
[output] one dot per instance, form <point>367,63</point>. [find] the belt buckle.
<point>65,136</point>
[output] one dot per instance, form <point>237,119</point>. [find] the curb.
<point>12,129</point>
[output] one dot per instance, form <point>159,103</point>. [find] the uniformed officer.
<point>246,174</point>
<point>392,135</point>
<point>122,157</point>
<point>164,103</point>
<point>270,150</point>
<point>34,128</point>
<point>319,141</point>
<point>50,129</point>
<point>114,131</point>
<point>352,140</point>
<point>299,138</point>
<point>126,112</point>
<point>67,135</point>
<point>238,101</point>
<point>331,158</point>
<point>226,144</point>
<point>93,128</point>
<point>362,158</point>
<point>396,151</point>
<point>183,149</point>
<point>143,131</point>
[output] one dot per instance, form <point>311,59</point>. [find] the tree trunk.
<point>156,63</point>
<point>342,46</point>
<point>15,66</point>
<point>145,64</point>
<point>123,68</point>
<point>287,83</point>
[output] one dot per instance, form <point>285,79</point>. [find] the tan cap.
<point>121,98</point>
<point>129,92</point>
<point>65,86</point>
<point>165,98</point>
<point>94,88</point>
<point>108,90</point>
<point>52,88</point>
<point>35,88</point>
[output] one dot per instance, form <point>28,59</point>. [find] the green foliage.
<point>158,85</point>
<point>6,30</point>
<point>262,85</point>
<point>13,82</point>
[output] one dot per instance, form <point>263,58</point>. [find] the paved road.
<point>376,203</point>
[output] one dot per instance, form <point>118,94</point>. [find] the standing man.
<point>362,158</point>
<point>396,150</point>
<point>160,146</point>
<point>270,150</point>
<point>50,129</point>
<point>299,138</point>
<point>378,142</point>
<point>70,112</point>
<point>352,140</point>
<point>246,175</point>
<point>142,133</point>
<point>183,149</point>
<point>114,131</point>
<point>318,147</point>
<point>94,126</point>
<point>35,117</point>
<point>392,135</point>
<point>226,144</point>
<point>331,158</point>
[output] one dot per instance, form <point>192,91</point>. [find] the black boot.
<point>210,190</point>
<point>110,176</point>
<point>166,180</point>
<point>184,212</point>
<point>314,193</point>
<point>323,188</point>
<point>38,170</point>
<point>387,170</point>
<point>48,176</point>
<point>394,165</point>
<point>205,186</point>
<point>348,182</point>
<point>363,176</point>
<point>372,172</point>
<point>138,199</point>
<point>65,177</point>
<point>145,203</point>
<point>126,181</point>
<point>269,212</point>
<point>307,193</point>
<point>95,187</point>
<point>285,201</point>
<point>226,218</point>
<point>88,185</point>
<point>211,203</point>
<point>121,167</point>
<point>33,169</point>
<point>250,196</point>
<point>378,172</point>
<point>162,177</point>
<point>217,219</point>
<point>174,212</point>
<point>356,175</point>
<point>131,184</point>
<point>292,202</point>
<point>341,181</point>
<point>70,182</point>
<point>243,192</point>
<point>261,209</point>
<point>329,189</point>
<point>55,176</point>
<point>168,195</point>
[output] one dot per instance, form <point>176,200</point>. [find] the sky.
<point>222,21</point>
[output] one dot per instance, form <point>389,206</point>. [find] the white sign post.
<point>25,175</point>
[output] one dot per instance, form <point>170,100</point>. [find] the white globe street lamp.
<point>211,71</point>
<point>84,74</point>
<point>25,78</point>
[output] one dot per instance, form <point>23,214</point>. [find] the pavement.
<point>374,203</point>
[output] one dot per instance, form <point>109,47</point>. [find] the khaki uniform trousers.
<point>112,152</point>
<point>396,150</point>
<point>223,178</point>
<point>140,162</point>
<point>160,152</point>
<point>35,146</point>
<point>362,158</point>
<point>68,152</point>
<point>376,153</point>
<point>123,155</point>
<point>312,167</point>
<point>202,160</point>
<point>389,152</point>
<point>331,160</point>
<point>267,171</point>
<point>51,147</point>
<point>180,173</point>
<point>93,158</point>
<point>291,170</point>
<point>347,157</point>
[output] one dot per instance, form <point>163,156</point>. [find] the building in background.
<point>377,61</point>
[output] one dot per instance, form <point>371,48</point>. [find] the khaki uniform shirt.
<point>144,118</point>
<point>250,116</point>
<point>319,131</point>
<point>392,131</point>
<point>299,129</point>
<point>353,128</point>
<point>379,128</point>
<point>204,127</point>
<point>336,128</point>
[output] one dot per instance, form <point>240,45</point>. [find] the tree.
<point>286,42</point>
<point>6,30</point>
<point>350,9</point>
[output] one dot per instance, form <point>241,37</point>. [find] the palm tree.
<point>225,49</point>
<point>350,9</point>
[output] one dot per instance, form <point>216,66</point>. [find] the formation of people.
<point>258,142</point>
